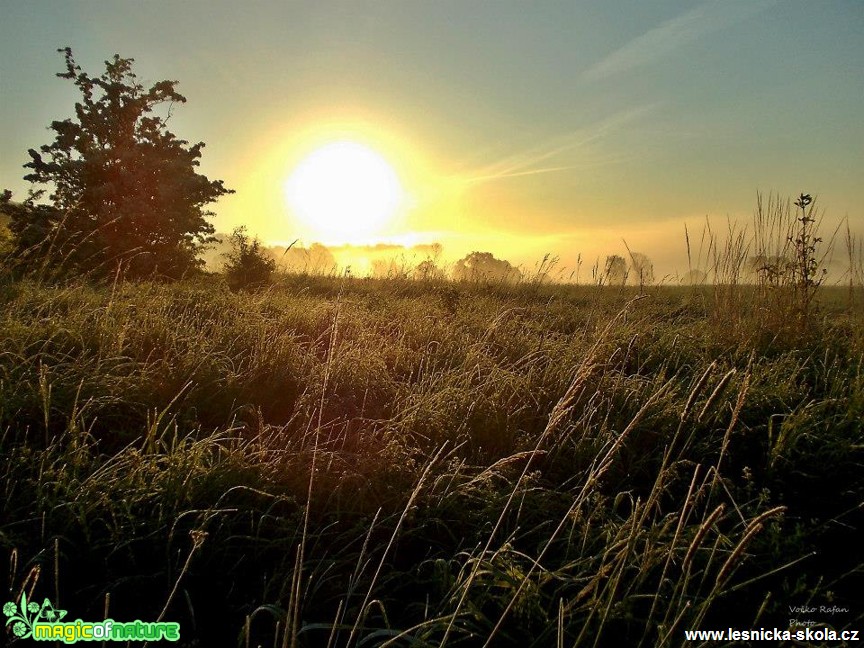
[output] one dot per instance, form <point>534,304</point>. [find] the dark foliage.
<point>125,193</point>
<point>248,266</point>
<point>483,266</point>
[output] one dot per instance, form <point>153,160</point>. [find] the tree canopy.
<point>615,272</point>
<point>125,194</point>
<point>641,269</point>
<point>483,266</point>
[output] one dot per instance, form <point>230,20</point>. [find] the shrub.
<point>248,267</point>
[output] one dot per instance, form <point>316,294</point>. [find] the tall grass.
<point>765,279</point>
<point>398,463</point>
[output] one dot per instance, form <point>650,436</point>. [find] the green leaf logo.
<point>18,616</point>
<point>25,614</point>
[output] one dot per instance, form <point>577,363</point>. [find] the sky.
<point>515,127</point>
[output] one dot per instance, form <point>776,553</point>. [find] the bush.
<point>248,267</point>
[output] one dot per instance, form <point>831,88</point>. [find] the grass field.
<point>349,462</point>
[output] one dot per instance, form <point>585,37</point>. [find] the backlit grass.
<point>426,463</point>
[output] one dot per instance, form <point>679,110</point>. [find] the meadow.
<point>354,462</point>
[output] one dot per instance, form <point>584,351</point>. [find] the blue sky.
<point>566,125</point>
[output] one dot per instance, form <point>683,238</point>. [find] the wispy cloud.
<point>661,41</point>
<point>527,162</point>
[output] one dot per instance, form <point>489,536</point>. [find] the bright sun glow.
<point>344,190</point>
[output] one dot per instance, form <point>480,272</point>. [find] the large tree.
<point>641,269</point>
<point>483,266</point>
<point>125,193</point>
<point>615,272</point>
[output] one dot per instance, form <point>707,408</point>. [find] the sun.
<point>344,190</point>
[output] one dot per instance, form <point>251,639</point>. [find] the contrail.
<point>525,163</point>
<point>673,34</point>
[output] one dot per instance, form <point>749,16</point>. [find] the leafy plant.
<point>806,268</point>
<point>247,265</point>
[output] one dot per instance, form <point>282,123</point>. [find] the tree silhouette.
<point>483,266</point>
<point>615,272</point>
<point>641,269</point>
<point>125,191</point>
<point>317,259</point>
<point>427,270</point>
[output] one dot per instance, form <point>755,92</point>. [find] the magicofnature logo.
<point>29,620</point>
